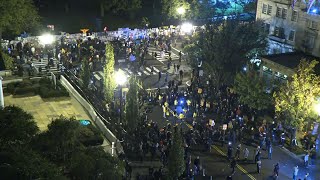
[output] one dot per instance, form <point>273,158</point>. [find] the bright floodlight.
<point>186,27</point>
<point>46,39</point>
<point>317,108</point>
<point>120,77</point>
<point>181,10</point>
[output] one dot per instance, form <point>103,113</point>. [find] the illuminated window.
<point>264,8</point>
<point>291,35</point>
<point>278,13</point>
<point>294,16</point>
<point>284,13</point>
<point>269,10</point>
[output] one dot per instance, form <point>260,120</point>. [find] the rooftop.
<point>291,60</point>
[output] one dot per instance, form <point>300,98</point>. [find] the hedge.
<point>44,87</point>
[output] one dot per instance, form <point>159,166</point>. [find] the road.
<point>216,164</point>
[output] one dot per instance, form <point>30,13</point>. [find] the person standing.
<point>246,154</point>
<point>237,155</point>
<point>270,152</point>
<point>229,152</point>
<point>295,172</point>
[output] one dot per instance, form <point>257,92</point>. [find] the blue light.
<point>85,122</point>
<point>181,102</point>
<point>314,10</point>
<point>245,68</point>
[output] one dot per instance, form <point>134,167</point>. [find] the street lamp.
<point>46,39</point>
<point>186,27</point>
<point>181,10</point>
<point>1,95</point>
<point>121,79</point>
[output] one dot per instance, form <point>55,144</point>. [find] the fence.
<point>94,116</point>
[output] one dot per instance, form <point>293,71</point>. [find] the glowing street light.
<point>46,39</point>
<point>120,77</point>
<point>317,108</point>
<point>181,10</point>
<point>186,27</point>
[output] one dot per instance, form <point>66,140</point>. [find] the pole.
<point>1,94</point>
<point>120,117</point>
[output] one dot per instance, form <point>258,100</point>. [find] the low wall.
<point>94,117</point>
<point>5,73</point>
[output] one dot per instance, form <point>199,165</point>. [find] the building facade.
<point>291,25</point>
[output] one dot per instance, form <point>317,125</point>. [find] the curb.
<point>292,154</point>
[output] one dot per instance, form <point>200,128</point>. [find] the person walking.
<point>259,166</point>
<point>270,152</point>
<point>237,155</point>
<point>276,170</point>
<point>295,172</point>
<point>246,154</point>
<point>159,74</point>
<point>229,152</point>
<point>233,165</point>
<point>306,160</point>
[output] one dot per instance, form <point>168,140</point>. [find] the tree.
<point>60,140</point>
<point>295,99</point>
<point>132,104</point>
<point>109,81</point>
<point>225,46</point>
<point>16,126</point>
<point>252,90</point>
<point>17,16</point>
<point>85,72</point>
<point>6,62</point>
<point>176,164</point>
<point>21,162</point>
<point>169,8</point>
<point>128,6</point>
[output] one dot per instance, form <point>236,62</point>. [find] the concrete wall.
<point>5,73</point>
<point>94,117</point>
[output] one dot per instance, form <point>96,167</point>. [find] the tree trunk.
<point>101,9</point>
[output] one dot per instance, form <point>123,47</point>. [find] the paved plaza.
<point>44,111</point>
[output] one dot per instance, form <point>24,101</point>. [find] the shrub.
<point>90,136</point>
<point>24,90</point>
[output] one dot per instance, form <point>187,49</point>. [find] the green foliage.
<point>170,7</point>
<point>224,47</point>
<point>252,90</point>
<point>16,126</point>
<point>21,162</point>
<point>109,81</point>
<point>90,136</point>
<point>176,164</point>
<point>250,7</point>
<point>17,16</point>
<point>296,98</point>
<point>44,87</point>
<point>132,104</point>
<point>85,72</point>
<point>6,60</point>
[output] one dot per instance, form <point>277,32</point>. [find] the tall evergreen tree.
<point>85,72</point>
<point>132,104</point>
<point>176,164</point>
<point>109,81</point>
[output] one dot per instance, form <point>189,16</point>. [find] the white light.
<point>120,77</point>
<point>245,68</point>
<point>187,27</point>
<point>181,10</point>
<point>46,39</point>
<point>317,108</point>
